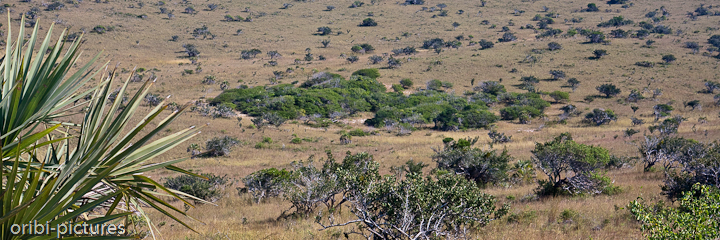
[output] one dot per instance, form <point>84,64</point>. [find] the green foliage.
<point>472,116</point>
<point>362,48</point>
<point>600,116</point>
<point>369,72</point>
<point>434,43</point>
<point>483,167</point>
<point>267,183</point>
<point>608,89</point>
<point>368,22</point>
<point>559,96</point>
<point>599,53</point>
<point>398,88</point>
<point>208,188</point>
<point>491,87</point>
<point>572,168</point>
<point>668,58</point>
<point>296,141</point>
<point>685,161</point>
<point>714,40</point>
<point>522,217</point>
<point>695,218</point>
<point>322,31</point>
<point>358,133</point>
<point>327,95</point>
<point>389,201</point>
<point>616,22</point>
<point>662,110</point>
<point>434,85</point>
<point>323,95</point>
<point>485,44</point>
<point>406,83</point>
<point>523,172</point>
<point>515,112</point>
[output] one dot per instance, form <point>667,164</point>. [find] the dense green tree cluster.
<point>521,104</point>
<point>328,95</point>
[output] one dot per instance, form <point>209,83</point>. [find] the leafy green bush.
<point>296,141</point>
<point>406,83</point>
<point>514,112</point>
<point>368,22</point>
<point>600,116</point>
<point>695,218</point>
<point>608,89</point>
<point>267,183</point>
<point>559,96</point>
<point>209,188</point>
<point>483,167</point>
<point>562,156</point>
<point>358,133</point>
<point>369,72</point>
<point>220,146</point>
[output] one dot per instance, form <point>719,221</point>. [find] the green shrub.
<point>398,88</point>
<point>483,167</point>
<point>267,140</point>
<point>267,183</point>
<point>296,141</point>
<point>561,156</point>
<point>522,217</point>
<point>568,214</point>
<point>406,83</point>
<point>209,189</point>
<point>694,218</point>
<point>514,112</point>
<point>217,146</point>
<point>369,72</point>
<point>559,96</point>
<point>358,133</point>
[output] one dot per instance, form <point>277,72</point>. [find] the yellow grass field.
<point>137,42</point>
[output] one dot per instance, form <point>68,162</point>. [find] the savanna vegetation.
<point>465,119</point>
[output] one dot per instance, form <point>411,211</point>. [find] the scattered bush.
<point>267,183</point>
<point>553,46</point>
<point>220,146</point>
<point>572,168</point>
<point>600,116</point>
<point>322,31</point>
<point>616,22</point>
<point>609,89</point>
<point>669,58</point>
<point>508,37</point>
<point>484,44</point>
<point>433,43</point>
<point>209,187</point>
<point>483,167</point>
<point>406,83</point>
<point>368,22</point>
<point>370,72</point>
<point>646,64</point>
<point>559,96</point>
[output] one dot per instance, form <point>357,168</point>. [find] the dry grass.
<point>144,43</point>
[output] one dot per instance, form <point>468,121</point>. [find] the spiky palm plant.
<point>55,170</point>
